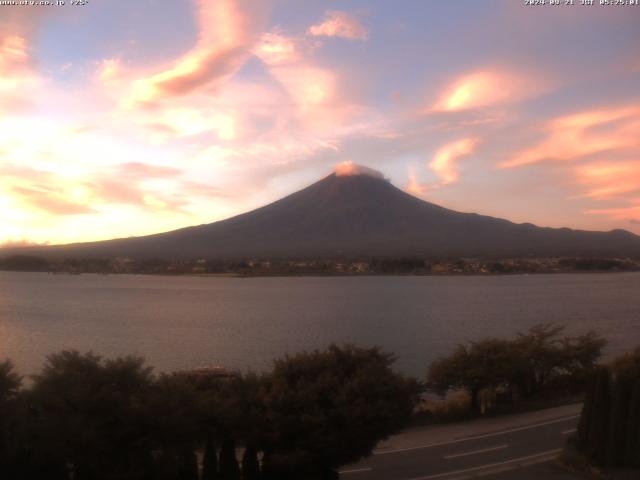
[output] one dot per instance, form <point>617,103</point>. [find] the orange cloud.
<point>277,49</point>
<point>610,179</point>
<point>414,186</point>
<point>109,69</point>
<point>51,200</point>
<point>227,33</point>
<point>309,85</point>
<point>127,184</point>
<point>339,24</point>
<point>629,214</point>
<point>444,163</point>
<point>482,89</point>
<point>316,103</point>
<point>185,121</point>
<point>22,242</point>
<point>349,168</point>
<point>17,78</point>
<point>585,134</point>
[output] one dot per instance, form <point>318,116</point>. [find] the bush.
<point>90,418</point>
<point>609,428</point>
<point>527,363</point>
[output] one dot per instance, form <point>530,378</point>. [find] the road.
<point>480,454</point>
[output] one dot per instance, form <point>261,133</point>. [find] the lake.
<point>244,323</point>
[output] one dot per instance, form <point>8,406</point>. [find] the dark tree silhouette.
<point>329,408</point>
<point>229,468</point>
<point>487,363</point>
<point>527,362</point>
<point>210,460</point>
<point>250,464</point>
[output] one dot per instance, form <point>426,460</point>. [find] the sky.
<point>121,118</point>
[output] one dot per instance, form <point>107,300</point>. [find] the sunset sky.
<point>124,118</point>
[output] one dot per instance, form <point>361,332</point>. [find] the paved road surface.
<point>480,454</point>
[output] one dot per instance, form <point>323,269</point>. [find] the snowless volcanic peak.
<point>350,169</point>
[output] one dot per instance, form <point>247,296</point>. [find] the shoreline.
<point>331,274</point>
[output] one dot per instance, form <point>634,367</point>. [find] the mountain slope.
<point>357,216</point>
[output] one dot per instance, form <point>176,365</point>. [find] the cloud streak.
<point>228,29</point>
<point>445,162</point>
<point>339,24</point>
<point>349,168</point>
<point>629,214</point>
<point>483,88</point>
<point>610,179</point>
<point>585,134</point>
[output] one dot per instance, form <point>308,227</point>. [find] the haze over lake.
<point>244,323</point>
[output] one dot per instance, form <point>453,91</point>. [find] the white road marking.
<point>570,431</point>
<point>490,449</point>
<point>489,465</point>
<point>487,435</point>
<point>355,470</point>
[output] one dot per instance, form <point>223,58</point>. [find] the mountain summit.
<point>356,212</point>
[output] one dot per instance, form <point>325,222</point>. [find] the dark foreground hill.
<point>355,216</point>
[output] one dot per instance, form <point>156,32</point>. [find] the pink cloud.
<point>339,24</point>
<point>445,161</point>
<point>483,88</point>
<point>349,169</point>
<point>584,134</point>
<point>51,200</point>
<point>139,170</point>
<point>610,179</point>
<point>17,77</point>
<point>228,29</point>
<point>630,213</point>
<point>109,69</point>
<point>445,165</point>
<point>316,102</point>
<point>124,184</point>
<point>22,242</point>
<point>275,48</point>
<point>414,186</point>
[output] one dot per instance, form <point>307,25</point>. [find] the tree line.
<point>609,428</point>
<point>543,358</point>
<point>87,418</point>
<point>315,266</point>
<point>83,417</point>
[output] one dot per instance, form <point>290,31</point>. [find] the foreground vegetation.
<point>609,430</point>
<point>86,418</point>
<point>540,362</point>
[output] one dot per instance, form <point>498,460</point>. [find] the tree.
<point>596,440</point>
<point>10,383</point>
<point>210,460</point>
<point>484,364</point>
<point>632,448</point>
<point>173,423</point>
<point>543,354</point>
<point>609,427</point>
<point>618,417</point>
<point>540,353</point>
<point>627,370</point>
<point>527,362</point>
<point>584,424</point>
<point>188,465</point>
<point>229,468</point>
<point>250,464</point>
<point>329,408</point>
<point>89,414</point>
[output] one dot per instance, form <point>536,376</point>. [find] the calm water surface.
<point>244,323</point>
